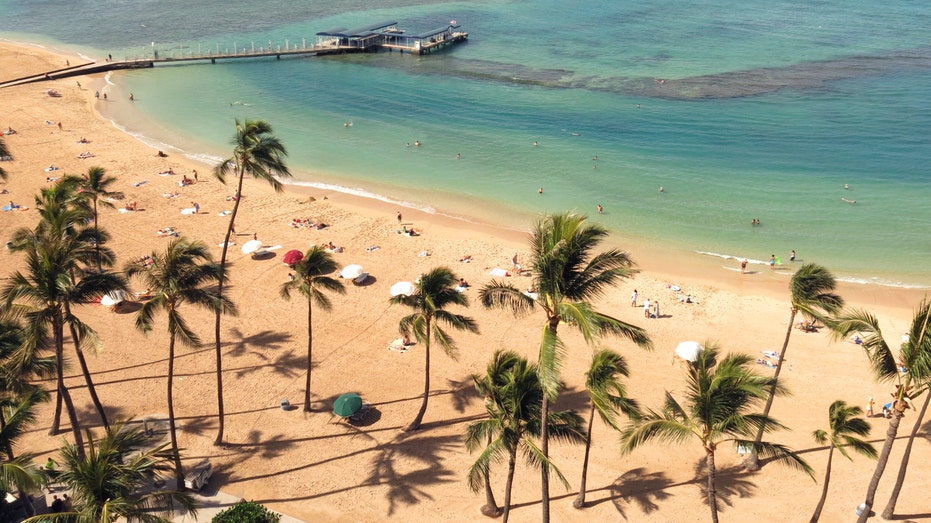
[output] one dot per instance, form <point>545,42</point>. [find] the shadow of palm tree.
<point>266,339</point>
<point>645,489</point>
<point>731,482</point>
<point>408,487</point>
<point>287,365</point>
<point>463,393</point>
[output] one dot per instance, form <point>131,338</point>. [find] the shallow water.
<point>763,112</point>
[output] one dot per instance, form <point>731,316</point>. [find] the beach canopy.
<point>347,405</point>
<point>251,246</point>
<point>293,256</point>
<point>402,288</point>
<point>112,298</point>
<point>689,350</point>
<point>351,272</point>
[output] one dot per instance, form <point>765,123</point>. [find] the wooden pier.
<point>381,36</point>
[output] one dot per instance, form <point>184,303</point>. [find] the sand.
<point>317,468</point>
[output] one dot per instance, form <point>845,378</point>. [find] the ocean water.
<point>765,112</point>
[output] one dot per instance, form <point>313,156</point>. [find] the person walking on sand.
<point>646,307</point>
<point>399,218</point>
<point>869,407</point>
<point>743,265</point>
<point>656,308</point>
<point>633,299</point>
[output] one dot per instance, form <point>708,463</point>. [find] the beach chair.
<point>361,278</point>
<point>361,413</point>
<point>198,476</point>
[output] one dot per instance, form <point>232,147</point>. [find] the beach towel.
<point>189,210</point>
<point>397,345</point>
<point>140,183</point>
<point>499,273</point>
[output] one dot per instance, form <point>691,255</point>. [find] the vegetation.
<point>566,275</point>
<point>4,153</point>
<point>96,188</point>
<point>915,357</point>
<point>180,275</point>
<point>311,281</point>
<point>515,417</point>
<point>718,408</point>
<point>812,294</point>
<point>845,426</point>
<point>258,153</point>
<point>57,252</point>
<point>113,480</point>
<point>607,395</point>
<point>435,291</point>
<point>247,512</point>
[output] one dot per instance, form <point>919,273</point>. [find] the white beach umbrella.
<point>112,298</point>
<point>251,246</point>
<point>689,350</point>
<point>402,288</point>
<point>351,272</point>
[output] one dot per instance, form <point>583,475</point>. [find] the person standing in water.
<point>792,255</point>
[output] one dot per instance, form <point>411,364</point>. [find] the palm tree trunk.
<point>712,490</point>
<point>490,508</point>
<point>56,419</point>
<point>310,355</point>
<point>545,449</point>
<point>58,326</point>
<point>880,465</point>
<point>218,348</point>
<point>753,460</point>
<point>426,384</point>
<point>97,234</point>
<point>580,500</point>
<point>179,472</point>
<point>512,460</point>
<point>86,372</point>
<point>824,490</point>
<point>888,512</point>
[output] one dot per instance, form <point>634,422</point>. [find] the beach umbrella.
<point>293,256</point>
<point>251,246</point>
<point>351,272</point>
<point>689,350</point>
<point>347,405</point>
<point>402,288</point>
<point>112,298</point>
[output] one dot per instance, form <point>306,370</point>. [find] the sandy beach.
<point>318,468</point>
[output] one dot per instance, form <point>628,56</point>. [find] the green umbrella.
<point>347,404</point>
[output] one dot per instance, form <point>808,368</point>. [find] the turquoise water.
<point>763,112</point>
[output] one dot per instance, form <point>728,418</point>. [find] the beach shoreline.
<point>316,468</point>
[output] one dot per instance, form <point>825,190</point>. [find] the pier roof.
<point>359,31</point>
<point>434,32</point>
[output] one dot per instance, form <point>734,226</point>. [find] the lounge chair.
<point>361,278</point>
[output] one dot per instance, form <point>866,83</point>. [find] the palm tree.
<point>260,154</point>
<point>514,419</point>
<point>4,153</point>
<point>435,291</point>
<point>19,472</point>
<point>64,215</point>
<point>845,425</point>
<point>180,275</point>
<point>566,275</point>
<point>811,293</point>
<point>915,356</point>
<point>113,480</point>
<point>311,281</point>
<point>43,293</point>
<point>489,387</point>
<point>607,394</point>
<point>95,187</point>
<point>718,408</point>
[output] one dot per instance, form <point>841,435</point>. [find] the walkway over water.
<point>383,35</point>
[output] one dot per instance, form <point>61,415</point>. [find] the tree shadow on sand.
<point>642,488</point>
<point>462,393</point>
<point>266,339</point>
<point>731,482</point>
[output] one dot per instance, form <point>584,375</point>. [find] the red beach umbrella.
<point>293,256</point>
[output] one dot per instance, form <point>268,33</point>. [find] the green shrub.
<point>247,512</point>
